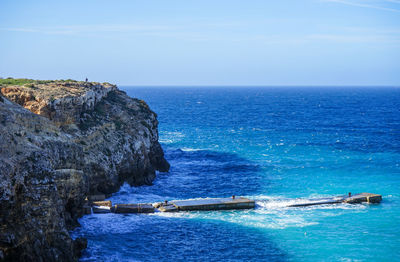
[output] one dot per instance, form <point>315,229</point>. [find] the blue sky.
<point>285,42</point>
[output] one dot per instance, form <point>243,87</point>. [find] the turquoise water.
<point>277,146</point>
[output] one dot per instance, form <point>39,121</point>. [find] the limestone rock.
<point>60,101</point>
<point>59,143</point>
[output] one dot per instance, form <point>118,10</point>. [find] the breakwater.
<point>207,204</point>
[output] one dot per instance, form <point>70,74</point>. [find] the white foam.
<point>167,137</point>
<point>166,141</point>
<point>271,212</point>
<point>276,202</point>
<point>250,218</point>
<point>170,133</point>
<point>188,149</point>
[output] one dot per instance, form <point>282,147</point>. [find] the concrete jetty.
<point>350,199</point>
<point>203,204</point>
<point>363,197</point>
<point>206,204</point>
<point>106,203</point>
<point>213,204</point>
<point>101,209</point>
<point>133,208</point>
<point>320,201</point>
<point>101,206</point>
<point>167,208</point>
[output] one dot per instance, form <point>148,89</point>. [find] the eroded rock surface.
<point>60,142</point>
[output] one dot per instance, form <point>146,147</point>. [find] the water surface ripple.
<point>279,146</point>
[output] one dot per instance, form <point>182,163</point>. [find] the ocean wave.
<point>188,149</point>
<point>168,137</point>
<point>264,202</point>
<point>166,141</point>
<point>248,218</point>
<point>172,133</point>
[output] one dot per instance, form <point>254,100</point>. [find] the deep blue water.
<point>277,146</point>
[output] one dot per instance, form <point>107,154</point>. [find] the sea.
<point>278,146</point>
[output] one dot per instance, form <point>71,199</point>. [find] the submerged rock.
<point>59,143</point>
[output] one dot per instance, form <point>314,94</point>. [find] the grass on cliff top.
<point>18,81</point>
<point>24,81</point>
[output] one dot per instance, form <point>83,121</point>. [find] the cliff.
<point>59,142</point>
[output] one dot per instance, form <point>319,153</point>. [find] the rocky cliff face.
<point>60,101</point>
<point>59,142</point>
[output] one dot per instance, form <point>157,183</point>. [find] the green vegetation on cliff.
<point>23,81</point>
<point>26,81</point>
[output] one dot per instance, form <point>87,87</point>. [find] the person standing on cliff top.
<point>86,79</point>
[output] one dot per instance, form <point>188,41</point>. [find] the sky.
<point>203,42</point>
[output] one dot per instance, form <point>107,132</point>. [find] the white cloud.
<point>379,5</point>
<point>343,38</point>
<point>84,29</point>
<point>196,33</point>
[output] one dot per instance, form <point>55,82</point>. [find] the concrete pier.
<point>101,209</point>
<point>322,201</point>
<point>363,197</point>
<point>133,208</point>
<point>101,206</point>
<point>352,199</point>
<point>105,206</point>
<point>208,204</point>
<point>106,203</point>
<point>168,208</point>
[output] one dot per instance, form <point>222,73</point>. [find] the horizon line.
<point>287,86</point>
